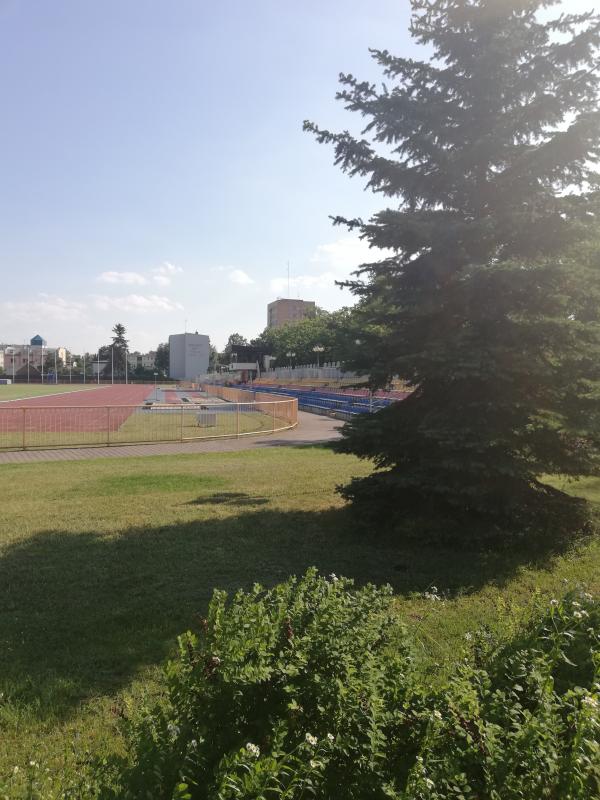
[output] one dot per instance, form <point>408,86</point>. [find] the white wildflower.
<point>331,737</point>
<point>468,636</point>
<point>429,783</point>
<point>590,701</point>
<point>578,615</point>
<point>314,764</point>
<point>173,729</point>
<point>437,714</point>
<point>312,740</point>
<point>554,602</point>
<point>15,770</point>
<point>333,577</point>
<point>587,596</point>
<point>253,749</point>
<point>434,589</point>
<point>33,764</point>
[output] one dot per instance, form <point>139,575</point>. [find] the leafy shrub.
<point>285,693</point>
<point>309,690</point>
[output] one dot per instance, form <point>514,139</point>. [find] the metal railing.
<point>42,427</point>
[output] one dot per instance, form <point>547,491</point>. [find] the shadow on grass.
<point>82,613</point>
<point>241,499</point>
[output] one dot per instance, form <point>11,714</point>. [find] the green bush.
<point>310,690</point>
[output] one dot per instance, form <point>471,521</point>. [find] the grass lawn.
<point>104,562</point>
<point>20,391</point>
<point>157,425</point>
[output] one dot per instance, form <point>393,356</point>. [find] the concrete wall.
<point>188,355</point>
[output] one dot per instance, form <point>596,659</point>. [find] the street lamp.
<point>318,349</point>
<point>155,389</point>
<point>290,355</point>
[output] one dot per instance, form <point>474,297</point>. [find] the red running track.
<point>79,411</point>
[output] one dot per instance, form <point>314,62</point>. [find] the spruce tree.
<point>490,305</point>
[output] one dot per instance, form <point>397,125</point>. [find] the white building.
<point>145,360</point>
<point>14,357</point>
<point>189,354</point>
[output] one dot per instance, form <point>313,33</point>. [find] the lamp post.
<point>155,389</point>
<point>290,355</point>
<point>318,349</point>
<point>28,360</point>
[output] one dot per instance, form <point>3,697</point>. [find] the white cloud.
<point>240,277</point>
<point>163,275</point>
<point>347,254</point>
<point>48,307</point>
<point>130,278</point>
<point>141,303</point>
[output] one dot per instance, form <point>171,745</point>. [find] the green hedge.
<point>310,690</point>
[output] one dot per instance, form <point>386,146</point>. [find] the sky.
<point>153,167</point>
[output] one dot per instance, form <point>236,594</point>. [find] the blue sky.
<point>153,165</point>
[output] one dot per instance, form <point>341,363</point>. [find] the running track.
<point>61,412</point>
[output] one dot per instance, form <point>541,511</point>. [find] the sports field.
<point>117,414</point>
<point>104,562</point>
<point>24,391</point>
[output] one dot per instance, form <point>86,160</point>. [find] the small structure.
<point>206,419</point>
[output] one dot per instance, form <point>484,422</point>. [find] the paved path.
<point>312,429</point>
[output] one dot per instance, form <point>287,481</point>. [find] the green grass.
<point>104,562</point>
<point>20,391</point>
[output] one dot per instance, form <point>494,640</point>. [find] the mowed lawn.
<point>104,562</point>
<point>21,391</point>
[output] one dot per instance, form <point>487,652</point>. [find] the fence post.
<point>273,406</point>
<point>237,419</point>
<point>107,425</point>
<point>181,426</point>
<point>24,426</point>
